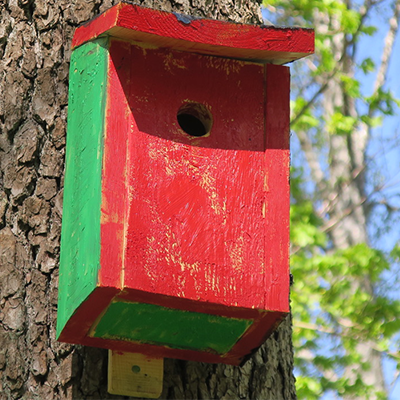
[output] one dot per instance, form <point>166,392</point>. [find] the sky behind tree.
<point>383,155</point>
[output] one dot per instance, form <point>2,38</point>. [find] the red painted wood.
<point>114,180</point>
<point>78,328</point>
<point>184,304</point>
<point>254,338</point>
<point>198,207</point>
<point>277,187</point>
<point>181,32</point>
<point>198,224</point>
<point>85,316</point>
<point>193,223</point>
<point>195,227</point>
<point>208,217</point>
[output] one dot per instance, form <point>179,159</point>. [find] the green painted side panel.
<point>80,236</point>
<point>151,324</point>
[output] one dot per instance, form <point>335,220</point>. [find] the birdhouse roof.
<point>154,28</point>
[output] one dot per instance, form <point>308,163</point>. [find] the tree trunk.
<point>35,37</point>
<point>346,191</point>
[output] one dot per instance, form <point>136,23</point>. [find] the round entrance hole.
<point>194,119</point>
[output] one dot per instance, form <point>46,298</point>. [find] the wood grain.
<point>80,255</point>
<point>204,36</point>
<point>195,224</point>
<point>134,374</point>
<point>194,230</point>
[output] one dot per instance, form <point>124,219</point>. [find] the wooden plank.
<point>134,374</point>
<point>118,121</point>
<point>193,223</point>
<point>277,186</point>
<point>177,329</point>
<point>195,203</point>
<point>80,239</point>
<point>81,325</point>
<point>251,340</point>
<point>205,36</point>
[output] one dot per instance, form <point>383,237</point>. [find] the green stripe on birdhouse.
<point>152,324</point>
<point>80,238</point>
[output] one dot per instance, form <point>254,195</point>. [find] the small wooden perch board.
<point>136,375</point>
<point>175,245</point>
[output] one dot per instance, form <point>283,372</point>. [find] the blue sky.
<point>384,151</point>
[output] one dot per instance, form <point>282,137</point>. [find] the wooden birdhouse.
<point>175,230</point>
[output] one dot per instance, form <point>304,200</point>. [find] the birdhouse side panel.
<point>277,188</point>
<point>80,237</point>
<point>118,124</point>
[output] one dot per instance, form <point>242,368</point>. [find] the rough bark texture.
<point>35,38</point>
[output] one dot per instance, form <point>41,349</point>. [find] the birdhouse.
<point>175,231</point>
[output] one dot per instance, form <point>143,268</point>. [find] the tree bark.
<point>35,37</point>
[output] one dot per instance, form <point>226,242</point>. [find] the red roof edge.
<point>156,28</point>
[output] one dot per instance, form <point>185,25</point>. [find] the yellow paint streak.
<point>266,185</point>
<point>126,219</point>
<point>236,253</point>
<point>144,45</point>
<point>105,216</point>
<point>225,64</point>
<point>176,259</point>
<point>171,62</point>
<point>207,181</point>
<point>212,280</point>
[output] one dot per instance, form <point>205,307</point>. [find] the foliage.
<point>341,297</point>
<point>330,315</point>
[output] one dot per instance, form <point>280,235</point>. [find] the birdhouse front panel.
<point>195,220</point>
<point>176,225</point>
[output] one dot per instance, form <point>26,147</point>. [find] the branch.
<point>347,325</point>
<point>388,49</point>
<point>364,12</point>
<point>321,90</point>
<point>395,377</point>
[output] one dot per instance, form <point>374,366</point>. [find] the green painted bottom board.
<point>152,324</point>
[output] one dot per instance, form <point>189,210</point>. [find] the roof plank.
<point>154,28</point>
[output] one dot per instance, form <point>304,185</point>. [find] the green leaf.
<point>340,124</point>
<point>350,21</point>
<point>367,65</point>
<point>351,86</point>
